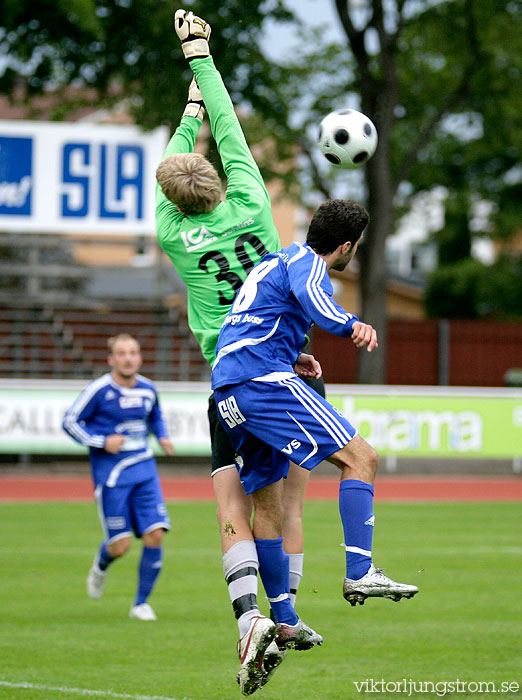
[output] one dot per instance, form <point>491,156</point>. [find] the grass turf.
<point>464,624</point>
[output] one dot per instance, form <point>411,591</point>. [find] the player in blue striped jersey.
<point>113,417</point>
<point>272,416</point>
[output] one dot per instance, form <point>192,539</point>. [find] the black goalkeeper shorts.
<point>223,453</point>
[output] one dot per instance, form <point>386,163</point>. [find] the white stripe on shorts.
<point>220,469</point>
<point>305,396</point>
<point>99,502</point>
<point>315,446</point>
<point>335,424</point>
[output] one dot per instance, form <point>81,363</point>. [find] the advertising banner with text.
<point>59,177</point>
<point>425,422</point>
<point>402,421</point>
<point>31,417</point>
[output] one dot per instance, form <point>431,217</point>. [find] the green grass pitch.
<point>464,624</point>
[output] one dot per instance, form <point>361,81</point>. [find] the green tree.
<point>440,79</point>
<point>126,48</point>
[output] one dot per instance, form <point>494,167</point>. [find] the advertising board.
<point>403,421</point>
<point>59,177</point>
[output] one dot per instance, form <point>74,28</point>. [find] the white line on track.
<point>85,691</point>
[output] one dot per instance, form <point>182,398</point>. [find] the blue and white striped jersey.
<point>106,408</point>
<point>280,299</point>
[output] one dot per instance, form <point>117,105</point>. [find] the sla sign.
<point>78,178</point>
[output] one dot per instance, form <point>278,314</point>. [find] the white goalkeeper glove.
<point>193,33</point>
<point>195,105</point>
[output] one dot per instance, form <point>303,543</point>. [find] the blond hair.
<point>111,342</point>
<point>190,182</point>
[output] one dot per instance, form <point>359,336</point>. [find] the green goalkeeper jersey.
<point>214,252</point>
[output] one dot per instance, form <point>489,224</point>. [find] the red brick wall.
<point>482,351</point>
<point>479,353</point>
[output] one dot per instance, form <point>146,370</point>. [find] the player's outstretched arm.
<point>182,141</point>
<point>194,33</point>
<point>311,286</point>
<point>238,163</point>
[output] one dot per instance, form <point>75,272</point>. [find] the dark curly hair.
<point>335,222</point>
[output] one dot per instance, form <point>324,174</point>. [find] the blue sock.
<point>274,569</point>
<point>150,566</point>
<point>104,558</point>
<point>356,508</point>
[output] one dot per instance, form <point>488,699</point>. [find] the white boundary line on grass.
<point>85,691</point>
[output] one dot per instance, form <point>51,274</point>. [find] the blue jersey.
<point>265,330</point>
<point>106,408</point>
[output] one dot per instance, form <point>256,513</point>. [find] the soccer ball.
<point>347,138</point>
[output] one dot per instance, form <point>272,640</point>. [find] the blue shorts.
<point>223,452</point>
<point>137,508</point>
<point>271,423</point>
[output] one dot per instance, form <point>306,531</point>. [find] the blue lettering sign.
<point>121,182</point>
<point>75,162</point>
<point>114,172</point>
<point>16,167</point>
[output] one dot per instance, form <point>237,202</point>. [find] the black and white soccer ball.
<point>347,138</point>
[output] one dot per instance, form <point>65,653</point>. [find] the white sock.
<point>296,574</point>
<point>240,566</point>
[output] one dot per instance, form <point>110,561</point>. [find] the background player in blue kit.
<point>257,349</point>
<point>113,417</point>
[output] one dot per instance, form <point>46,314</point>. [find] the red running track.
<point>52,488</point>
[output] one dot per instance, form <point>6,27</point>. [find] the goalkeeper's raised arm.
<point>238,163</point>
<point>212,243</point>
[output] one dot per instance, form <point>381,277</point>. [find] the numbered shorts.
<point>223,451</point>
<point>137,508</point>
<point>271,423</point>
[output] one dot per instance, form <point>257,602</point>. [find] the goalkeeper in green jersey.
<point>214,244</point>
